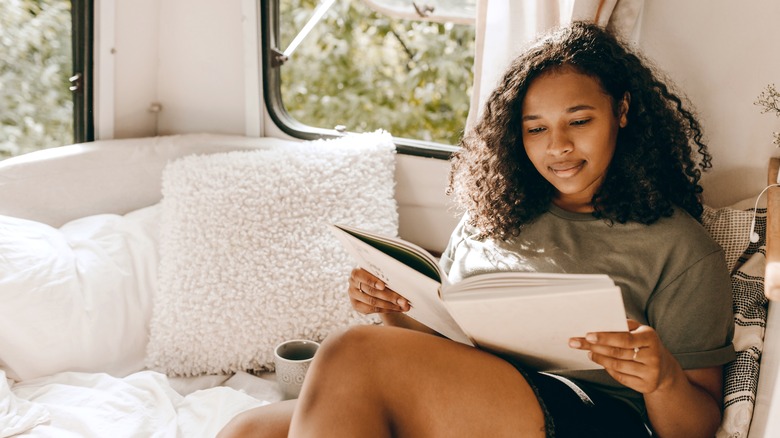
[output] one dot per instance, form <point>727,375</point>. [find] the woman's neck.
<point>574,205</point>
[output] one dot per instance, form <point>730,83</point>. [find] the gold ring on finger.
<point>636,352</point>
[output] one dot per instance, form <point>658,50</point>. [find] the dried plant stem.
<point>769,101</point>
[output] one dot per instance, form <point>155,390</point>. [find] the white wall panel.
<point>201,67</point>
<point>136,40</point>
<point>722,53</point>
<point>427,216</point>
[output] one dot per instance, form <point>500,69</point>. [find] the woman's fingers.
<point>633,367</point>
<point>622,359</point>
<point>360,275</point>
<point>620,345</point>
<point>620,353</point>
<point>370,295</point>
<point>373,299</point>
<point>636,359</point>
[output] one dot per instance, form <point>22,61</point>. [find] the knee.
<point>349,353</point>
<point>348,346</point>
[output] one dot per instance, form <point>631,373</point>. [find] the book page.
<point>419,288</point>
<point>497,284</point>
<point>536,328</point>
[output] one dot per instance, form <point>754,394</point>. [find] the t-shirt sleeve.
<point>693,314</point>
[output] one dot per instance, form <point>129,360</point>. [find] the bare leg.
<point>269,421</point>
<point>386,381</point>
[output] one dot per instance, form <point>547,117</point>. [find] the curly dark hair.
<point>654,166</point>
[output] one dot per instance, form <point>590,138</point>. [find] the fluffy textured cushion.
<point>750,312</point>
<point>730,227</point>
<point>79,297</point>
<point>247,259</point>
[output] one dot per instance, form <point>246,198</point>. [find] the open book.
<point>529,316</point>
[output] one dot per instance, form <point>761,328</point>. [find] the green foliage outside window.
<point>366,71</point>
<point>36,107</point>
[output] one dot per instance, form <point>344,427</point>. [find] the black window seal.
<point>82,41</point>
<point>269,25</point>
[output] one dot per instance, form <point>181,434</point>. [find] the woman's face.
<point>569,133</point>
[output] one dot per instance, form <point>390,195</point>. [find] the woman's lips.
<point>566,170</point>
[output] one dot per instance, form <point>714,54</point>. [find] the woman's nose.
<point>560,144</point>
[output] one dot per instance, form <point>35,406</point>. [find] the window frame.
<point>272,96</point>
<point>82,41</point>
<point>408,14</point>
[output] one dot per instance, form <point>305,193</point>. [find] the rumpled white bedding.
<point>143,404</point>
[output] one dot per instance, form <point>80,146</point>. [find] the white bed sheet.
<point>143,404</point>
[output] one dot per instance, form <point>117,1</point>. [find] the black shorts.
<point>572,410</point>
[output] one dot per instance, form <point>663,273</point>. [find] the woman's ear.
<point>623,109</point>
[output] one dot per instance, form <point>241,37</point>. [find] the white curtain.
<point>505,26</point>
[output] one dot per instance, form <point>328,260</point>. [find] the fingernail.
<point>379,286</point>
<point>591,337</point>
<point>575,343</point>
<point>402,303</point>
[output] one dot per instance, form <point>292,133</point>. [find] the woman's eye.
<point>535,130</point>
<point>580,122</point>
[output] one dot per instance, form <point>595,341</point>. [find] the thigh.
<point>434,387</point>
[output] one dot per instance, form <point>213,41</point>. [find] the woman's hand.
<point>368,294</point>
<point>636,358</point>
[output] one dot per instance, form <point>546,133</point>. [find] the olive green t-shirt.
<point>672,275</point>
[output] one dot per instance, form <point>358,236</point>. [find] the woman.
<point>584,161</point>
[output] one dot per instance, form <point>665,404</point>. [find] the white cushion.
<point>247,259</point>
<point>78,297</point>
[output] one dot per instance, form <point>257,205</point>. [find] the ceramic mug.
<point>292,359</point>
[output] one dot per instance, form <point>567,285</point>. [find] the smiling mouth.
<point>565,170</point>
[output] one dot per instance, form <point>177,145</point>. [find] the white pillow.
<point>76,298</point>
<point>247,259</point>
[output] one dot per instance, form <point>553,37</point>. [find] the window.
<point>362,65</point>
<point>443,11</point>
<point>37,62</point>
